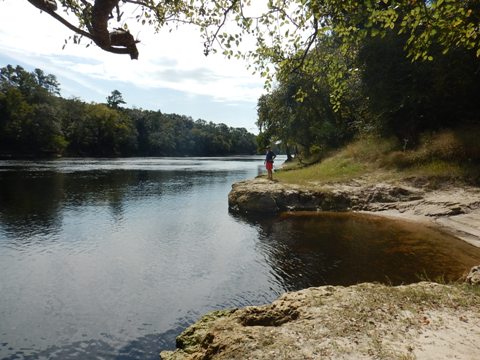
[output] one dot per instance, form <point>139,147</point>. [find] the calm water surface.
<point>111,259</point>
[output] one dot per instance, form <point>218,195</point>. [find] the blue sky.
<point>172,74</point>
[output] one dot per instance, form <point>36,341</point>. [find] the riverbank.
<point>366,321</point>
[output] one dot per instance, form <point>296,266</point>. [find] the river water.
<point>112,258</point>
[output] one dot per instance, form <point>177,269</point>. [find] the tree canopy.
<point>289,35</point>
<point>386,95</point>
<point>285,30</point>
<point>35,121</point>
<point>333,68</point>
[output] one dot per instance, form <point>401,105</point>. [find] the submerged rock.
<point>367,321</point>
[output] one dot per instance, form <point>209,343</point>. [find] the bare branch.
<point>51,11</point>
<point>45,5</point>
<point>311,41</point>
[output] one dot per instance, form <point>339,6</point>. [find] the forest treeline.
<point>325,98</point>
<point>35,121</point>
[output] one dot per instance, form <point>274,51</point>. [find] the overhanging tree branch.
<point>118,41</point>
<point>46,6</point>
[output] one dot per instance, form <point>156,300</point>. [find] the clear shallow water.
<point>112,258</point>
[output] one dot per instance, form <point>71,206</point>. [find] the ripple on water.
<point>107,259</point>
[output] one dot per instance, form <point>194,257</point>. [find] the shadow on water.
<point>313,249</point>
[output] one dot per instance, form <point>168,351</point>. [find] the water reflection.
<point>34,202</point>
<point>97,263</point>
<point>112,259</point>
<point>313,249</point>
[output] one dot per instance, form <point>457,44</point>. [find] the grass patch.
<point>437,168</point>
<point>355,160</point>
<point>443,155</point>
<point>331,169</point>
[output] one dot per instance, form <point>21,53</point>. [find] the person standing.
<point>269,157</point>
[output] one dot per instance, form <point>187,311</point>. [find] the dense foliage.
<point>333,68</point>
<point>36,121</point>
<point>379,86</point>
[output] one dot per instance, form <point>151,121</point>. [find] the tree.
<point>287,33</point>
<point>35,86</point>
<point>108,131</point>
<point>114,99</point>
<point>93,23</point>
<point>45,136</point>
<point>48,82</point>
<point>29,123</point>
<point>299,112</point>
<point>34,121</point>
<point>15,113</point>
<point>407,98</point>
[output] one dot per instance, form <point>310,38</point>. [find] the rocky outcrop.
<point>366,321</point>
<point>260,195</point>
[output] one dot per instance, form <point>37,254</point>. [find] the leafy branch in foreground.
<point>283,28</point>
<point>287,34</point>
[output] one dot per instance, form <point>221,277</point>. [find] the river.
<point>113,258</point>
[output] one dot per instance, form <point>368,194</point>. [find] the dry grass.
<point>331,169</point>
<point>444,155</point>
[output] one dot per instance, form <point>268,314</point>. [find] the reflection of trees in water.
<point>32,202</point>
<point>343,249</point>
<point>29,200</point>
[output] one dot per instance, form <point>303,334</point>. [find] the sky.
<point>171,75</point>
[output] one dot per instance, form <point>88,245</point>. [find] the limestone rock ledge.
<point>261,195</point>
<point>365,321</point>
